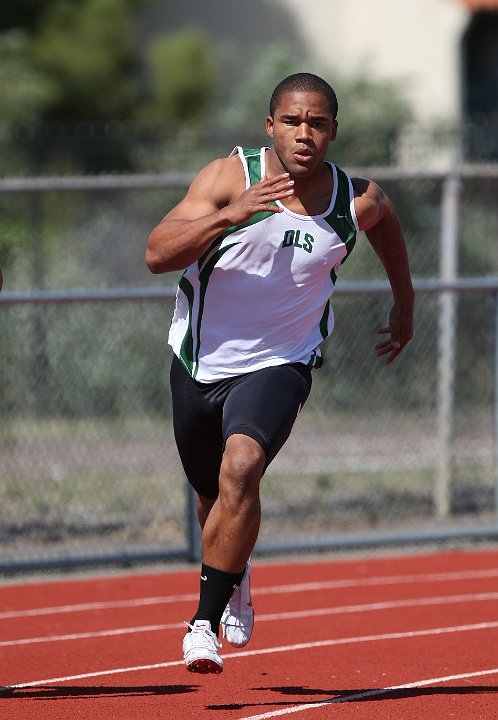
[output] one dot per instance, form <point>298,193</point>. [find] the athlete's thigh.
<point>198,431</point>
<point>265,404</point>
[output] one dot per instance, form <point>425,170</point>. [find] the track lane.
<point>251,680</point>
<point>397,569</point>
<point>162,643</point>
<point>290,614</point>
<point>281,677</point>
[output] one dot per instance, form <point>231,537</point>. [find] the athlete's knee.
<point>242,467</point>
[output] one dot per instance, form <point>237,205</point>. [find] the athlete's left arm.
<point>378,219</point>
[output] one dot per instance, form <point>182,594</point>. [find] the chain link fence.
<point>89,472</point>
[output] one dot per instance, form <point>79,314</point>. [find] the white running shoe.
<point>237,620</point>
<point>200,649</point>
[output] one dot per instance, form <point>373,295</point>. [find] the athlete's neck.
<point>312,191</point>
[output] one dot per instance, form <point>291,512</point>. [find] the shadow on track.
<point>353,695</point>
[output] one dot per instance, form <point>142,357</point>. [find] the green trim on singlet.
<point>204,277</point>
<point>316,361</point>
<point>345,228</point>
<point>344,225</point>
<point>187,346</point>
<point>253,160</point>
<point>324,320</point>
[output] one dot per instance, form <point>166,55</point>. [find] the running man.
<point>262,235</point>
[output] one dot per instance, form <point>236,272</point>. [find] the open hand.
<point>260,197</point>
<point>400,329</point>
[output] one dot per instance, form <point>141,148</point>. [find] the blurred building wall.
<point>415,41</point>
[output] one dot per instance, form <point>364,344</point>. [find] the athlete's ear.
<point>333,132</point>
<point>269,125</point>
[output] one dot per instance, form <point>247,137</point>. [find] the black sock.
<point>217,587</point>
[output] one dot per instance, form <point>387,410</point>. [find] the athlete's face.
<point>302,128</point>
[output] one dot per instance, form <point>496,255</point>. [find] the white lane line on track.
<point>267,651</point>
<point>90,635</point>
<point>370,693</point>
<point>105,605</point>
<point>268,590</point>
<point>384,605</point>
<point>268,617</point>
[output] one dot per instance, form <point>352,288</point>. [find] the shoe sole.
<point>204,666</point>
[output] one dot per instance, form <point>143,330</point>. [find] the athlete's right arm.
<point>215,201</point>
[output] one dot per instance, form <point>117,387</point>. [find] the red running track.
<point>405,637</point>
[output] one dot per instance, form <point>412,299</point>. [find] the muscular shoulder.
<point>214,187</point>
<point>221,180</point>
<point>369,202</point>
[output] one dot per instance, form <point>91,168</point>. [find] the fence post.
<point>446,340</point>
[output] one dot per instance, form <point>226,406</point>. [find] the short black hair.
<point>304,82</point>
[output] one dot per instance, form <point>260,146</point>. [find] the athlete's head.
<point>304,82</point>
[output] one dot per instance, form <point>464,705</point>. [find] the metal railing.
<point>88,469</point>
<point>443,526</point>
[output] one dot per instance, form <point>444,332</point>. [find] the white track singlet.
<point>260,295</point>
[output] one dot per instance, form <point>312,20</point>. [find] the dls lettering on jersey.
<point>292,239</point>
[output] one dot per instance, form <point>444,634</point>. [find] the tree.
<point>86,50</point>
<point>246,90</point>
<point>21,14</point>
<point>372,115</point>
<point>183,75</point>
<point>25,90</point>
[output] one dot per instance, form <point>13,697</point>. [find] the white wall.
<point>416,41</point>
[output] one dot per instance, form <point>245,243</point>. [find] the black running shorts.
<point>262,404</point>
